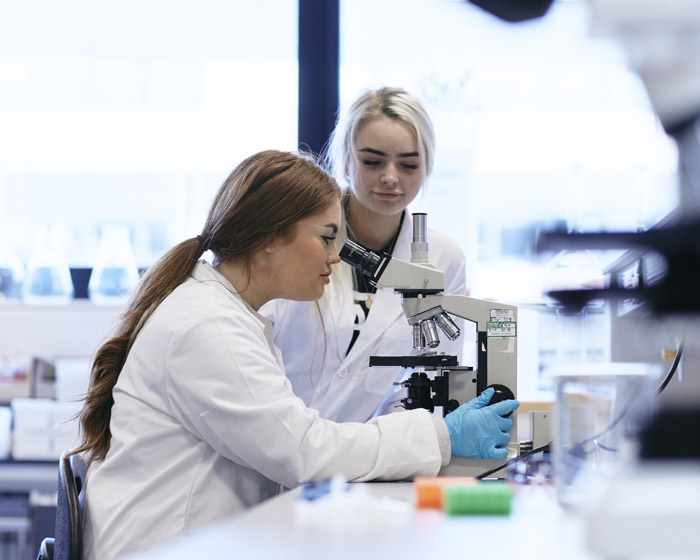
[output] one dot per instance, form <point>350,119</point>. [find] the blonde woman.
<point>382,154</point>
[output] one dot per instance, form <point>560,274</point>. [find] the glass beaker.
<point>115,273</point>
<point>48,280</point>
<point>600,410</point>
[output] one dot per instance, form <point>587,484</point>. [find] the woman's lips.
<point>387,195</point>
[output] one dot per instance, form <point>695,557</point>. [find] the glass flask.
<point>115,273</point>
<point>11,272</point>
<point>48,280</point>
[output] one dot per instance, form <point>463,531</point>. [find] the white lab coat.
<point>205,423</point>
<point>343,387</point>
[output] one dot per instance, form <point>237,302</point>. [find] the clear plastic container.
<point>600,410</point>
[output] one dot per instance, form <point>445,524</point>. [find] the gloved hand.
<point>479,431</point>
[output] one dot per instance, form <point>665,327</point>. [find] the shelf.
<point>69,330</point>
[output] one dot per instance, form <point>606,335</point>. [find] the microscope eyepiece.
<point>370,263</point>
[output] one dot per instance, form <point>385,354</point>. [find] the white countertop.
<point>536,528</point>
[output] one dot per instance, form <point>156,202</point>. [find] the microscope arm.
<point>496,333</point>
<point>405,276</point>
<point>480,311</point>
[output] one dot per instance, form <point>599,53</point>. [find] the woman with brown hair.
<point>189,416</point>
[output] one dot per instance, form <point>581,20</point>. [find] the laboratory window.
<point>133,113</point>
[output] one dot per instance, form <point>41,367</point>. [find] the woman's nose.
<point>390,177</point>
<point>334,257</point>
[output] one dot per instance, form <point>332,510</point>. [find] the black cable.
<point>674,367</point>
<point>542,448</point>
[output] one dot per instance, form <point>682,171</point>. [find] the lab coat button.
<point>343,373</point>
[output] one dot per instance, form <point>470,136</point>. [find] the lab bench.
<point>535,528</point>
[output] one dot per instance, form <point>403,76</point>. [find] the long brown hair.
<point>261,200</point>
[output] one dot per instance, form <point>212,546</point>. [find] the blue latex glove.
<point>479,431</point>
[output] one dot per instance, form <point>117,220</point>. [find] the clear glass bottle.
<point>48,280</point>
<point>115,274</point>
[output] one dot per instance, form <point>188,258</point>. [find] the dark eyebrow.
<point>333,227</point>
<point>372,151</point>
<point>380,153</point>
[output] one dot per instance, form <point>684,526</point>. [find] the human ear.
<point>273,243</point>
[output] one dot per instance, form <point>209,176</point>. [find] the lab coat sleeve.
<point>443,435</point>
<point>226,387</point>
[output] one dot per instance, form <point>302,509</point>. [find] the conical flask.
<point>48,280</point>
<point>115,273</point>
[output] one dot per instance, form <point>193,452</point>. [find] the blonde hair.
<point>391,102</point>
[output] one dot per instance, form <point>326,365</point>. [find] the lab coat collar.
<point>205,272</point>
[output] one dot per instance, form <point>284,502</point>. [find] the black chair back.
<point>67,543</point>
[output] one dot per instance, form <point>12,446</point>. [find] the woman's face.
<point>386,176</point>
<point>302,264</point>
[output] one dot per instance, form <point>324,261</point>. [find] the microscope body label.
<point>500,329</point>
<point>502,315</point>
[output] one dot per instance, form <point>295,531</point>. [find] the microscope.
<point>438,383</point>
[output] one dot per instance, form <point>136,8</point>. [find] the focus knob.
<point>501,393</point>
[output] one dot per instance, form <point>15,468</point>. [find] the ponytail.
<point>159,281</point>
<point>262,199</point>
